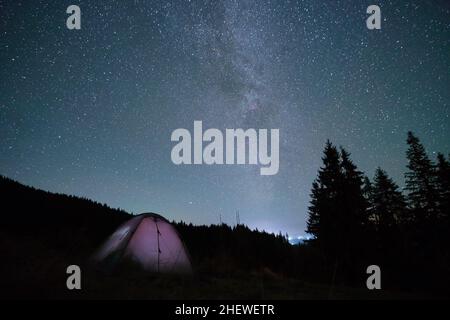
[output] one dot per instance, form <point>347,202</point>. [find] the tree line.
<point>357,221</point>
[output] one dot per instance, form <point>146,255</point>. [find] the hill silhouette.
<point>42,233</point>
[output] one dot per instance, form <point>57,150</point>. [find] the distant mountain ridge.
<point>75,227</point>
<point>45,213</point>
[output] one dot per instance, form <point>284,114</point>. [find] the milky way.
<point>90,112</point>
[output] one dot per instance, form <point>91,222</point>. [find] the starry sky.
<point>90,112</point>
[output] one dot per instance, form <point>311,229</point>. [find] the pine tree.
<point>313,223</point>
<point>443,186</point>
<point>420,181</point>
<point>388,206</point>
<point>367,191</point>
<point>337,214</point>
<point>324,201</point>
<point>354,202</point>
<point>353,222</point>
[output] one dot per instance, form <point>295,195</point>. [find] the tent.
<point>149,241</point>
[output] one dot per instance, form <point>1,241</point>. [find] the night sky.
<point>90,112</point>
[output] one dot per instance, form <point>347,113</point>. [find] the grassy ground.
<point>25,278</point>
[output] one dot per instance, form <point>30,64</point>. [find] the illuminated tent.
<point>149,241</point>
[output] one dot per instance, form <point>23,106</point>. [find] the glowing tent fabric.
<point>149,241</point>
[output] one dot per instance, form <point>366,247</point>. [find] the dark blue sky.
<point>90,112</point>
